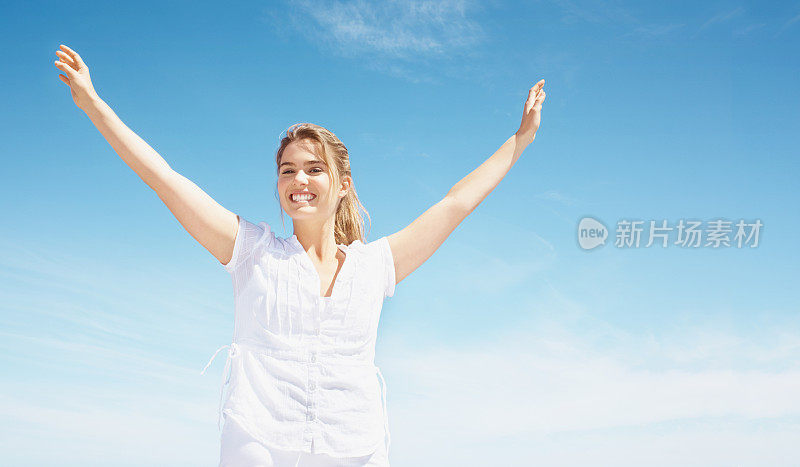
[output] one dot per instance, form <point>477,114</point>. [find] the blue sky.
<point>511,345</point>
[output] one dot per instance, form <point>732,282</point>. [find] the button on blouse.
<point>300,370</point>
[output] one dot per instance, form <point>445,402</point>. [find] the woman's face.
<point>301,171</point>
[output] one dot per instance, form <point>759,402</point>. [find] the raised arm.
<point>209,223</point>
<point>413,245</point>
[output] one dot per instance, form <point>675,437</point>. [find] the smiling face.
<point>302,171</point>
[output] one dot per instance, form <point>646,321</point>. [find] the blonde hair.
<point>348,225</point>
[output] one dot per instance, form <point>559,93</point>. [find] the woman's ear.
<point>346,183</point>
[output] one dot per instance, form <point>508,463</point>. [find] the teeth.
<point>307,197</point>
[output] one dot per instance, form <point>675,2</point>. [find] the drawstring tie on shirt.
<point>232,347</point>
<point>388,437</point>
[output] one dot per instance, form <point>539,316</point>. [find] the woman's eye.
<point>312,170</point>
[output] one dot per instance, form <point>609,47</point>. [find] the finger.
<point>64,79</point>
<point>538,105</point>
<point>532,99</point>
<point>534,91</point>
<point>74,55</point>
<point>70,72</point>
<point>66,58</point>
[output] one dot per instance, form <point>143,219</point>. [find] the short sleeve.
<point>248,237</point>
<point>387,261</point>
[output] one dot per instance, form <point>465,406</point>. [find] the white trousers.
<point>239,449</point>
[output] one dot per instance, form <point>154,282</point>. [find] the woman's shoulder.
<point>250,237</point>
<point>373,249</point>
<point>375,261</point>
<point>254,233</point>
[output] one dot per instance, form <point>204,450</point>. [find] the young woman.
<point>303,385</point>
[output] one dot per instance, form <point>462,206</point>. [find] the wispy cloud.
<point>94,370</point>
<point>595,12</point>
<point>555,197</point>
<point>515,261</point>
<point>546,386</point>
<point>552,195</point>
<point>87,426</point>
<point>650,31</point>
<point>748,29</point>
<point>390,35</point>
<point>398,28</point>
<point>611,12</point>
<point>57,304</point>
<point>654,30</point>
<point>788,24</point>
<point>722,17</point>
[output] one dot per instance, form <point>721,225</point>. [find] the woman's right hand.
<point>77,76</point>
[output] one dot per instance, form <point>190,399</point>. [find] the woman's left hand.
<point>532,114</point>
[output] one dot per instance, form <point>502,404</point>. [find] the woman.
<point>303,385</point>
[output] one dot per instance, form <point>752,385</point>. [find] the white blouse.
<point>302,366</point>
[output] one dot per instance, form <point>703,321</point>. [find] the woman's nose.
<point>301,177</point>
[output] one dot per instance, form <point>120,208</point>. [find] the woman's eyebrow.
<point>315,161</point>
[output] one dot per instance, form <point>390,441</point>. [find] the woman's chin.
<point>302,212</point>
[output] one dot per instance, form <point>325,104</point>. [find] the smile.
<point>305,197</point>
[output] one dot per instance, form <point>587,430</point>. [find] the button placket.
<point>311,413</point>
<point>321,311</point>
<point>313,375</point>
<point>311,407</point>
